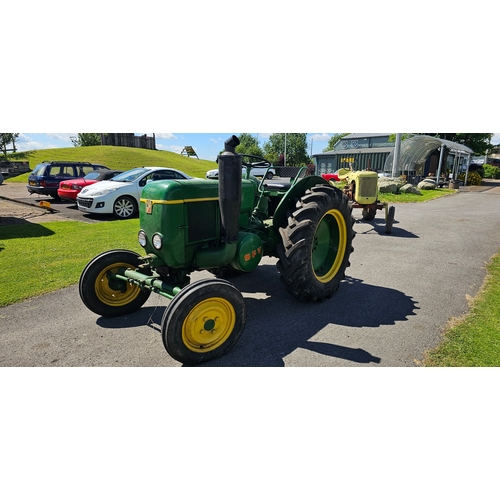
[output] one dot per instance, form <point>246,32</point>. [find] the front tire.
<point>106,295</point>
<point>316,245</point>
<point>124,207</point>
<point>203,322</point>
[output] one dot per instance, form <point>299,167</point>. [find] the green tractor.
<point>224,226</point>
<point>361,188</point>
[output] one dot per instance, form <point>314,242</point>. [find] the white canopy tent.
<point>415,150</point>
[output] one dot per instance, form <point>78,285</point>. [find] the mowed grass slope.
<point>115,157</point>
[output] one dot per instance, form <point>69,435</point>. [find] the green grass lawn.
<point>41,258</point>
<point>475,339</point>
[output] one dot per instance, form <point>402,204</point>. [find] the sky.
<point>206,145</point>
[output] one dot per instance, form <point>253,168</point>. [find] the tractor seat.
<point>278,186</point>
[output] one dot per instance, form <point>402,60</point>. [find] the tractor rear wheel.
<point>316,245</point>
<point>106,295</point>
<point>203,322</point>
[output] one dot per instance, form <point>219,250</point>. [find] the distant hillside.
<point>115,157</point>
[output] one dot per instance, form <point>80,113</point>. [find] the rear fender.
<point>288,201</point>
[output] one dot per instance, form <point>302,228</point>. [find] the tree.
<point>86,140</point>
<point>5,140</point>
<point>296,149</point>
<point>249,145</point>
<point>333,140</point>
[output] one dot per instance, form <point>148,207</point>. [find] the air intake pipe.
<point>230,168</point>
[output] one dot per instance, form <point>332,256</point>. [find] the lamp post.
<point>395,161</point>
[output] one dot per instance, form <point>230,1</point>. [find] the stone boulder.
<point>409,188</point>
<point>388,184</point>
<point>427,184</point>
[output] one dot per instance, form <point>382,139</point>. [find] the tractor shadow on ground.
<point>378,225</point>
<point>277,324</point>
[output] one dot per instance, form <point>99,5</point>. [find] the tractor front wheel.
<point>105,294</point>
<point>203,322</point>
<point>316,245</point>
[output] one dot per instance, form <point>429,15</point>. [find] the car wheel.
<point>124,207</point>
<point>269,175</point>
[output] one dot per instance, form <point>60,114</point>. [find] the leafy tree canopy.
<point>296,149</point>
<point>87,139</point>
<point>249,145</point>
<point>5,140</point>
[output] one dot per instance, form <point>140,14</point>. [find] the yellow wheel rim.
<point>114,292</point>
<point>329,246</point>
<point>208,325</point>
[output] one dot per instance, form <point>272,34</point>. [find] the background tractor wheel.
<point>316,245</point>
<point>369,213</point>
<point>108,296</point>
<point>203,322</point>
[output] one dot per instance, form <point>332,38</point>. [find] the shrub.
<point>473,179</point>
<point>491,172</point>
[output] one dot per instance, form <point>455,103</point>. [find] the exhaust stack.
<point>230,167</point>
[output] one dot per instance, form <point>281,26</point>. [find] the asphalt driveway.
<point>399,294</point>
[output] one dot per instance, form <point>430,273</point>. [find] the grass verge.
<point>475,340</point>
<point>41,258</point>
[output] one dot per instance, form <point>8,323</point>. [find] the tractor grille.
<point>84,202</point>
<point>367,187</point>
<point>203,221</point>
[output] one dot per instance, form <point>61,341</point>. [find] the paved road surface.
<point>400,292</point>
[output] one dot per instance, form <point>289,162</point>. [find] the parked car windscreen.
<point>129,176</point>
<point>92,175</point>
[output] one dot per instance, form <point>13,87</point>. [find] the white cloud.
<point>62,137</point>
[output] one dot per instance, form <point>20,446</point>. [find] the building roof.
<point>364,136</point>
<point>365,151</point>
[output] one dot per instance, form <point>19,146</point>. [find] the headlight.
<point>102,192</point>
<point>157,241</point>
<point>141,236</point>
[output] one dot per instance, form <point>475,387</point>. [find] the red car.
<point>68,190</point>
<point>331,177</point>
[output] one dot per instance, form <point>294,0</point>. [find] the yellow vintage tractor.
<point>361,189</point>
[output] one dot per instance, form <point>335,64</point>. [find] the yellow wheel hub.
<point>208,325</point>
<point>330,246</point>
<point>114,292</point>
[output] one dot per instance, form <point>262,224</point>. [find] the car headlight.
<point>141,236</point>
<point>157,241</point>
<point>103,192</point>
